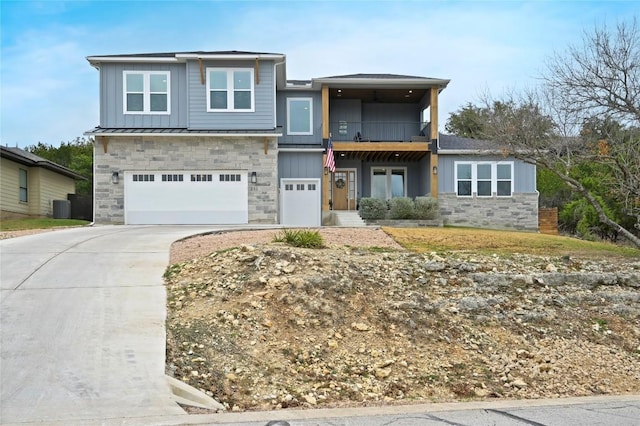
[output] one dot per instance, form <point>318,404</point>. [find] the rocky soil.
<point>268,326</point>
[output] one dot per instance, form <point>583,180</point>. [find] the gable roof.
<point>32,160</point>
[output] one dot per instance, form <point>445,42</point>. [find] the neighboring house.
<point>225,138</point>
<point>30,184</point>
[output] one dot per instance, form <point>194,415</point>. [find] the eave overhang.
<point>182,132</point>
<point>381,151</point>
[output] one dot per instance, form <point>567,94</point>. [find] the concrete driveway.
<point>82,342</point>
<point>82,328</point>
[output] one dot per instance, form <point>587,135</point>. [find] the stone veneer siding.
<point>519,212</point>
<point>185,153</point>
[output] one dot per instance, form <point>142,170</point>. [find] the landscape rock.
<point>267,326</point>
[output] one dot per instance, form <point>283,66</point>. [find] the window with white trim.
<point>146,92</point>
<point>484,178</point>
<point>230,90</point>
<point>300,116</point>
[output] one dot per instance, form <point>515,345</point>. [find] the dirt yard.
<point>261,325</point>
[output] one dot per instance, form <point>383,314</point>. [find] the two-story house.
<point>225,138</point>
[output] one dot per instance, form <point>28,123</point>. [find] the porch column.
<point>325,112</point>
<point>433,110</point>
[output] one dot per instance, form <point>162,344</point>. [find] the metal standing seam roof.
<point>179,131</point>
<point>32,160</point>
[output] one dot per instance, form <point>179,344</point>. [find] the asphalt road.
<point>82,342</point>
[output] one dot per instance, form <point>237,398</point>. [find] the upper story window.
<point>146,92</point>
<point>230,89</point>
<point>24,190</point>
<point>300,116</point>
<point>484,179</point>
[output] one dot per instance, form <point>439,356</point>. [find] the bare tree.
<point>528,128</point>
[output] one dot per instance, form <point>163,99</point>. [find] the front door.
<point>344,189</point>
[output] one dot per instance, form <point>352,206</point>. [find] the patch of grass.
<point>485,241</point>
<point>38,223</point>
<point>300,238</point>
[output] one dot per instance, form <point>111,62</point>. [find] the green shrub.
<point>300,238</point>
<point>401,208</point>
<point>426,208</point>
<point>581,218</point>
<point>373,208</point>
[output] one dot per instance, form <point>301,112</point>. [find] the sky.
<point>49,92</point>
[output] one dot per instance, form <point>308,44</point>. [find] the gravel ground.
<point>203,245</point>
<point>268,326</point>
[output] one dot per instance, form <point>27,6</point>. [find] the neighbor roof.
<point>32,160</point>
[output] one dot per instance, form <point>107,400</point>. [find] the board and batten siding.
<point>281,110</point>
<point>348,111</point>
<point>524,174</point>
<point>262,118</point>
<point>111,97</point>
<point>300,165</point>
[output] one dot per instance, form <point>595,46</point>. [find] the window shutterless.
<point>230,90</point>
<point>146,92</point>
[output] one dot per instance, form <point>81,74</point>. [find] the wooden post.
<point>325,112</point>
<point>257,72</point>
<point>202,79</point>
<point>105,143</point>
<point>433,111</point>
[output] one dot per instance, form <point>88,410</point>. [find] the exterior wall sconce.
<point>254,177</point>
<point>435,170</point>
<point>115,178</point>
<point>326,170</point>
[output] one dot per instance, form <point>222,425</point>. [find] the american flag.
<point>330,162</point>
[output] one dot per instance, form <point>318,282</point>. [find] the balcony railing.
<point>377,131</point>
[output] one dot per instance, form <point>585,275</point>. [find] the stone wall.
<point>185,153</point>
<point>519,212</point>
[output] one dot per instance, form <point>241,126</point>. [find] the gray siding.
<point>375,121</point>
<point>300,165</point>
<point>390,122</point>
<point>111,102</point>
<point>281,109</point>
<point>524,173</point>
<point>262,118</point>
<point>415,183</point>
<point>349,111</point>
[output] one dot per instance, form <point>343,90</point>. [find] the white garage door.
<point>300,202</point>
<point>186,197</point>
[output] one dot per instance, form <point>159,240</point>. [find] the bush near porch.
<point>401,208</point>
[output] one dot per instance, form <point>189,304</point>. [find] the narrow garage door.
<point>300,202</point>
<point>182,198</point>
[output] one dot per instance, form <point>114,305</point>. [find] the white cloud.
<point>50,93</point>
